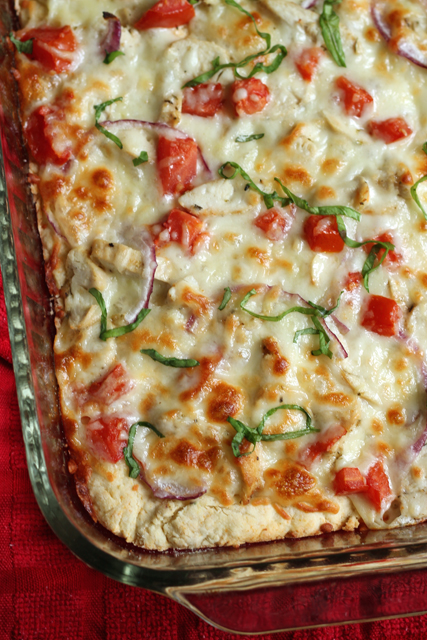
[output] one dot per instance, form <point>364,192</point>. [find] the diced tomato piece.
<point>381,316</point>
<point>379,490</point>
<point>183,228</point>
<point>393,258</point>
<point>166,14</point>
<point>325,442</point>
<point>107,437</point>
<point>321,233</point>
<point>48,43</point>
<point>353,281</point>
<point>356,99</point>
<point>115,384</point>
<point>389,130</point>
<point>177,164</point>
<point>47,135</point>
<point>249,96</point>
<point>274,224</point>
<point>349,480</point>
<point>308,62</point>
<point>204,100</point>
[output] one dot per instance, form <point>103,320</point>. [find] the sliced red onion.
<point>171,490</point>
<point>308,4</point>
<point>409,50</point>
<point>190,323</point>
<point>340,325</point>
<point>54,225</point>
<point>114,32</point>
<point>332,336</point>
<point>142,241</point>
<point>159,127</point>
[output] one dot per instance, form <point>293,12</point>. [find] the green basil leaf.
<point>22,47</point>
<point>128,451</point>
<point>254,136</point>
<point>109,57</point>
<point>143,157</point>
<point>269,198</point>
<point>326,312</point>
<point>99,108</point>
<point>328,210</point>
<point>256,435</point>
<point>415,195</point>
<point>304,332</point>
<point>323,340</point>
<point>179,363</point>
<point>270,68</point>
<point>193,2</point>
<point>330,27</point>
<point>368,266</point>
<point>226,298</point>
<point>118,331</point>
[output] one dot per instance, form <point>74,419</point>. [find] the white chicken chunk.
<point>117,257</point>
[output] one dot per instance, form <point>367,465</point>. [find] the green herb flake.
<point>256,435</point>
<point>99,108</point>
<point>414,188</point>
<point>22,47</point>
<point>109,57</point>
<point>225,299</point>
<point>259,66</point>
<point>254,136</point>
<point>330,27</point>
<point>314,311</point>
<point>179,363</point>
<point>118,331</point>
<point>143,157</point>
<point>127,451</point>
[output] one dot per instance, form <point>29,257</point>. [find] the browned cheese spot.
<point>396,416</point>
<point>331,165</point>
<point>297,175</point>
<point>324,192</point>
<point>291,480</point>
<point>199,303</point>
<point>377,426</point>
<point>278,363</point>
<point>224,401</point>
<point>260,256</point>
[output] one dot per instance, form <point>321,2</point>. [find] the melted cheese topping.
<point>98,208</point>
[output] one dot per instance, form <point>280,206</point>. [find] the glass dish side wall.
<point>253,589</point>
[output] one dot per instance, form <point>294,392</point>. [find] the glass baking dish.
<point>331,579</point>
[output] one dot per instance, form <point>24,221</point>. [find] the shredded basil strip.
<point>193,2</point>
<point>254,136</point>
<point>268,198</point>
<point>330,27</point>
<point>143,157</point>
<point>179,363</point>
<point>109,57</point>
<point>22,47</point>
<point>99,108</point>
<point>315,312</point>
<point>226,298</point>
<point>256,435</point>
<point>217,66</point>
<point>127,451</point>
<point>118,331</point>
<point>414,188</point>
<point>328,210</point>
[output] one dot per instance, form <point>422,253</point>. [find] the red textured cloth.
<point>48,594</point>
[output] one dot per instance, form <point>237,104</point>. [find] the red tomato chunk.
<point>389,130</point>
<point>107,437</point>
<point>325,442</point>
<point>46,133</point>
<point>355,98</point>
<point>353,281</point>
<point>308,62</point>
<point>379,490</point>
<point>115,384</point>
<point>249,96</point>
<point>48,44</point>
<point>274,224</point>
<point>392,258</point>
<point>204,100</point>
<point>349,480</point>
<point>166,14</point>
<point>321,233</point>
<point>183,228</point>
<point>381,316</point>
<point>176,164</point>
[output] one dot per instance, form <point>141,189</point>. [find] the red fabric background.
<point>47,594</point>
